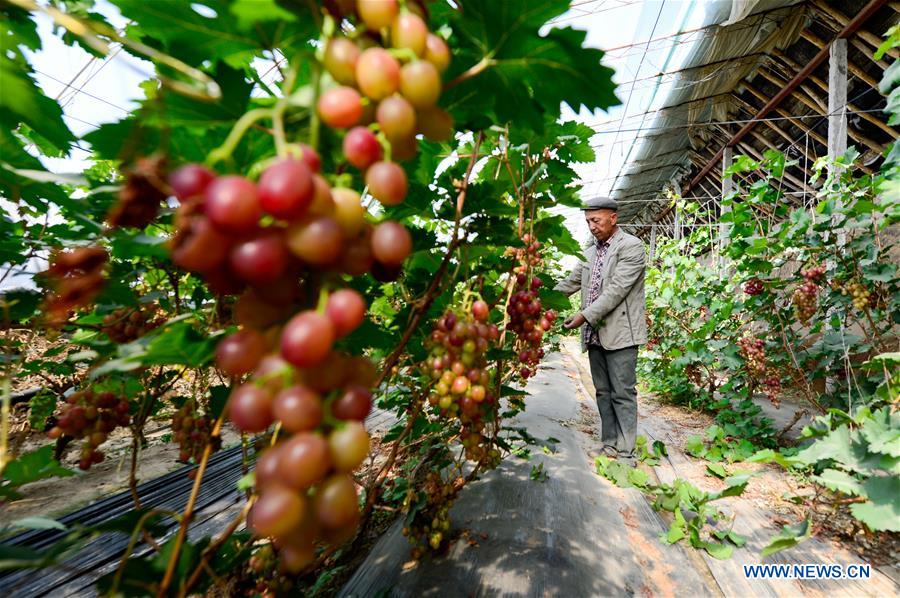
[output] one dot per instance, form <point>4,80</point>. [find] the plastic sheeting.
<point>721,59</point>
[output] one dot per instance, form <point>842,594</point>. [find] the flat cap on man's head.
<point>601,203</point>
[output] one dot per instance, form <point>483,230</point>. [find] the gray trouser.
<point>614,382</point>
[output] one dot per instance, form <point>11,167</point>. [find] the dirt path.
<point>570,535</point>
<point>576,534</point>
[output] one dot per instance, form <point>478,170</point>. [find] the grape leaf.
<point>790,535</point>
<point>527,74</point>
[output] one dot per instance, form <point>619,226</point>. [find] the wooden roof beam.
<point>816,104</point>
<point>782,112</point>
<point>838,17</point>
<point>813,39</point>
<point>868,116</point>
<point>852,67</point>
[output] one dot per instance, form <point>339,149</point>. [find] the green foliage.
<point>788,537</point>
<point>509,100</point>
<point>717,446</point>
<point>703,525</point>
<point>30,467</point>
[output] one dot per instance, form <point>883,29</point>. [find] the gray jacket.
<point>618,313</point>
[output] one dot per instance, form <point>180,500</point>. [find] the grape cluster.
<point>219,234</point>
<point>432,521</point>
<point>91,416</point>
<point>127,324</point>
<point>771,386</point>
<point>753,350</point>
<point>529,322</point>
<point>193,431</point>
<point>320,398</point>
<point>804,296</point>
<point>754,286</point>
<point>859,294</point>
<point>528,256</point>
<point>75,277</point>
<point>457,362</point>
<point>390,75</point>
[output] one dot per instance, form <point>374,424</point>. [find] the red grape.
<point>335,502</point>
<point>340,107</point>
<point>348,211</point>
<point>409,31</point>
<point>323,203</point>
<point>260,260</point>
<point>298,408</point>
<point>435,123</point>
<point>277,511</point>
<point>267,468</point>
<point>307,339</point>
<point>420,83</point>
<point>232,204</point>
<point>404,148</point>
<point>303,460</point>
<point>377,73</point>
<point>250,408</point>
<point>311,157</point>
<point>361,147</point>
<point>346,308</point>
<point>349,445</point>
<point>190,180</point>
<point>239,353</point>
<point>354,404</point>
<point>437,52</point>
<point>286,188</point>
<point>387,183</point>
<point>341,55</point>
<point>203,248</point>
<point>480,310</point>
<point>377,14</point>
<point>272,372</point>
<point>396,117</point>
<point>317,241</point>
<point>391,243</point>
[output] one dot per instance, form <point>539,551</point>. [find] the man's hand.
<point>574,321</point>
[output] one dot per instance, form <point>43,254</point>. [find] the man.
<point>611,280</point>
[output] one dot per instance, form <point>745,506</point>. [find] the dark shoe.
<point>610,451</point>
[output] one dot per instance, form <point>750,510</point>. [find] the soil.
<point>772,488</point>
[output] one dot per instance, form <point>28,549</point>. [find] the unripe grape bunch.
<point>91,416</point>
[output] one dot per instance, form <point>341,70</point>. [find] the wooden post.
<point>837,99</point>
<point>837,132</point>
<point>727,189</point>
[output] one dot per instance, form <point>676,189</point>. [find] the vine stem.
<point>117,579</point>
<point>189,509</point>
<point>473,71</point>
<point>4,423</point>
<point>249,118</point>
<point>216,545</point>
